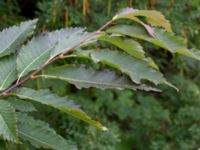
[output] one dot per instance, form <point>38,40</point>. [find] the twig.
<point>14,86</point>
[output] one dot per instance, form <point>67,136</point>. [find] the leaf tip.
<point>104,128</point>
<point>171,85</point>
<point>115,17</point>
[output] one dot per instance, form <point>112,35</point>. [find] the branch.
<point>14,86</point>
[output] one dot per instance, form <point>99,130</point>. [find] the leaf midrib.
<point>3,83</point>
<point>10,131</point>
<point>18,35</point>
<point>34,60</point>
<point>70,79</point>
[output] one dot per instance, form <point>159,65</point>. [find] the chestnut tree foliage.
<point>129,66</point>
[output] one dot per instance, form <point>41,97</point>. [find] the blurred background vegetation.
<point>136,120</point>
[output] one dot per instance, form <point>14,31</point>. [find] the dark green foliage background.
<point>136,120</point>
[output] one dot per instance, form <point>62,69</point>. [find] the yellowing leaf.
<point>154,18</point>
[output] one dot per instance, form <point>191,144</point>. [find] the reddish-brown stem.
<point>14,86</point>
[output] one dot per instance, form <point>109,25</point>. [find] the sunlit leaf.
<point>128,45</point>
<point>155,18</point>
<point>166,40</point>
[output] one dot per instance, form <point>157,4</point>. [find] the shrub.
<point>126,67</point>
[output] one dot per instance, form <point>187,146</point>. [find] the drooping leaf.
<point>136,69</point>
<point>39,134</point>
<point>174,44</point>
<point>8,72</point>
<point>8,121</point>
<point>21,105</point>
<point>132,31</point>
<point>155,18</point>
<point>162,39</point>
<point>130,46</point>
<point>11,38</point>
<point>53,100</point>
<point>83,77</point>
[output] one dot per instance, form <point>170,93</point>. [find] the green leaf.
<point>8,72</point>
<point>11,38</point>
<point>38,51</point>
<point>53,100</point>
<point>73,40</point>
<point>137,69</point>
<point>155,18</point>
<point>8,121</point>
<point>83,77</point>
<point>132,31</point>
<point>130,46</point>
<point>22,105</point>
<point>174,44</point>
<point>26,119</point>
<point>166,40</point>
<point>39,134</point>
<point>33,55</point>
